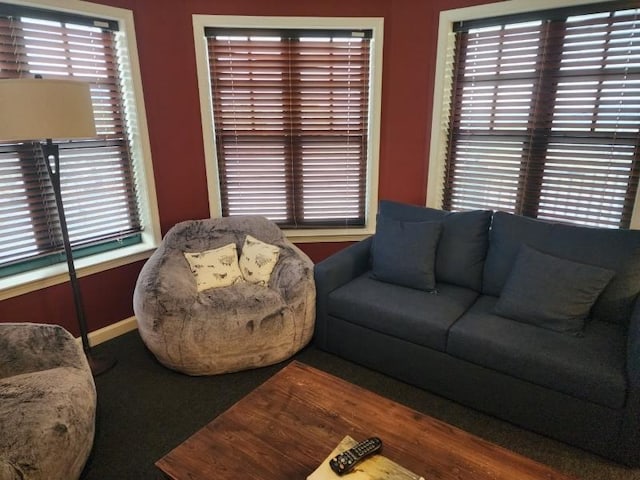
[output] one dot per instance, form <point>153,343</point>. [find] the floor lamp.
<point>35,109</point>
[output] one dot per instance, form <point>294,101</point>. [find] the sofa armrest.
<point>631,425</point>
<point>633,348</point>
<point>165,286</point>
<point>292,276</point>
<point>333,272</point>
<point>32,347</point>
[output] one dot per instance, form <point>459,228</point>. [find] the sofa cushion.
<point>617,250</point>
<point>404,253</point>
<point>551,292</point>
<point>463,242</point>
<point>591,367</point>
<point>413,315</point>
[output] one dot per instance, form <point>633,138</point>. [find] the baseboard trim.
<point>111,331</point>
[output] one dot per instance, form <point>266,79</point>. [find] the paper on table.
<point>375,467</point>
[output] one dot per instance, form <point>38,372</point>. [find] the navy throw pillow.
<point>551,292</point>
<point>404,253</point>
<point>463,242</point>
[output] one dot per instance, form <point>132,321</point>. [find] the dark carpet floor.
<point>145,410</point>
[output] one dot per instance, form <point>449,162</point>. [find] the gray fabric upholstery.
<point>591,367</point>
<point>230,328</point>
<point>617,250</point>
<point>47,403</point>
<point>414,315</point>
<point>404,253</point>
<point>551,292</point>
<point>463,242</point>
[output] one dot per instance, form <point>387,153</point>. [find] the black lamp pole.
<point>98,364</point>
<point>54,108</point>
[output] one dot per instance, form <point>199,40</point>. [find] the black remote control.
<point>345,461</point>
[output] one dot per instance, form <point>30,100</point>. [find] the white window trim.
<point>37,279</point>
<point>204,85</point>
<point>442,84</point>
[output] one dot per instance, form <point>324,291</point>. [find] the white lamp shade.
<point>36,109</point>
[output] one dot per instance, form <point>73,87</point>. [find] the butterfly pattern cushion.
<point>258,260</point>
<point>215,268</point>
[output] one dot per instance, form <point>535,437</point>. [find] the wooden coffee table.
<point>287,426</point>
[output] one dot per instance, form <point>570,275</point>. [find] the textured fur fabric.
<point>47,403</point>
<point>230,328</point>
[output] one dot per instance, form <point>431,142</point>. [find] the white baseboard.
<point>111,331</point>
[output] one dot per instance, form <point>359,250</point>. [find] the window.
<point>291,111</point>
<point>544,115</point>
<point>104,186</point>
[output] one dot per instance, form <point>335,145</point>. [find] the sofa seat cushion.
<point>591,367</point>
<point>413,315</point>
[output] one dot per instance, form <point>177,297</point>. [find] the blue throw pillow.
<point>463,242</point>
<point>404,253</point>
<point>551,292</point>
<point>613,249</point>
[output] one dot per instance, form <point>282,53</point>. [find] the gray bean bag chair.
<point>47,403</point>
<point>230,328</point>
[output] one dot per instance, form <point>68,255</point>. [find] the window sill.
<point>38,279</point>
<point>329,235</point>
<point>33,280</point>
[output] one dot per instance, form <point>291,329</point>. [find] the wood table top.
<point>288,425</point>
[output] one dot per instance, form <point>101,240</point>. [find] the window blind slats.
<point>97,182</point>
<point>291,126</point>
<point>545,118</point>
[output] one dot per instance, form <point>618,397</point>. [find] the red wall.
<point>167,60</point>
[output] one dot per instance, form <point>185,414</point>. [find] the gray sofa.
<point>577,380</point>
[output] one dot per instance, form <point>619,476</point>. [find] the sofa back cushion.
<point>463,242</point>
<point>617,250</point>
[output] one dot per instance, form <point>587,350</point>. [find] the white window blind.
<point>291,126</point>
<point>97,178</point>
<point>545,115</point>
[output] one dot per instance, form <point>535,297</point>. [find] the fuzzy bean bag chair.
<point>47,403</point>
<point>223,295</point>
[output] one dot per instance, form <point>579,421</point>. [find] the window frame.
<point>39,278</point>
<point>443,83</point>
<point>376,24</point>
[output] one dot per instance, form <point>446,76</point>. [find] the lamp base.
<point>99,363</point>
